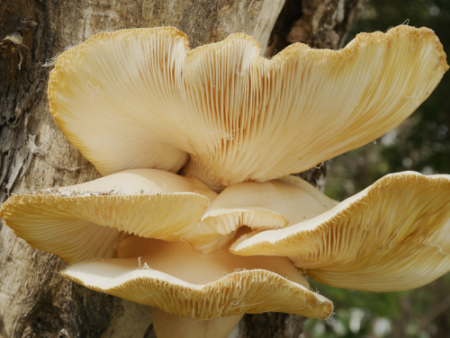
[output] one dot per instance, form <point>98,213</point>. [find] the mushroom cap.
<point>141,99</point>
<point>394,235</point>
<point>259,206</point>
<point>177,279</point>
<point>85,221</point>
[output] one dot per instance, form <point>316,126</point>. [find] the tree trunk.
<point>34,300</point>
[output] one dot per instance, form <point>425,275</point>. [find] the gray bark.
<point>34,300</point>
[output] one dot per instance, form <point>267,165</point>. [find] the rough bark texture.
<point>318,23</point>
<point>34,300</point>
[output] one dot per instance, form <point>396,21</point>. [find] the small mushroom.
<point>392,236</point>
<point>259,206</point>
<point>141,98</point>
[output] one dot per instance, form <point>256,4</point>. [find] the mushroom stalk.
<point>192,169</point>
<point>172,326</point>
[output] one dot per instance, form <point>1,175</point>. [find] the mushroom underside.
<point>393,236</point>
<point>180,280</point>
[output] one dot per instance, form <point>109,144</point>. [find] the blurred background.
<point>421,143</point>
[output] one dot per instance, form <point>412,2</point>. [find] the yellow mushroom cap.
<point>141,99</point>
<point>395,235</point>
<point>259,206</point>
<point>85,221</point>
<point>177,279</point>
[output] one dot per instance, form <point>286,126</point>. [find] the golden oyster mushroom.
<point>140,99</point>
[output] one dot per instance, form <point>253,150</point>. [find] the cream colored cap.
<point>177,279</point>
<point>393,236</point>
<point>259,206</point>
<point>85,221</point>
<point>141,99</point>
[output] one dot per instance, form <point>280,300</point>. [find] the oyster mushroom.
<point>142,99</point>
<point>223,115</point>
<point>85,221</point>
<point>123,235</point>
<point>392,236</point>
<point>259,206</point>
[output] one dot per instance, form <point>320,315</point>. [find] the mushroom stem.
<point>192,169</point>
<point>172,326</point>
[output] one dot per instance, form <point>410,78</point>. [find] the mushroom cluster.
<point>198,213</point>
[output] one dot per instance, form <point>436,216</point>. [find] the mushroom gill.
<point>392,236</point>
<point>142,99</point>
